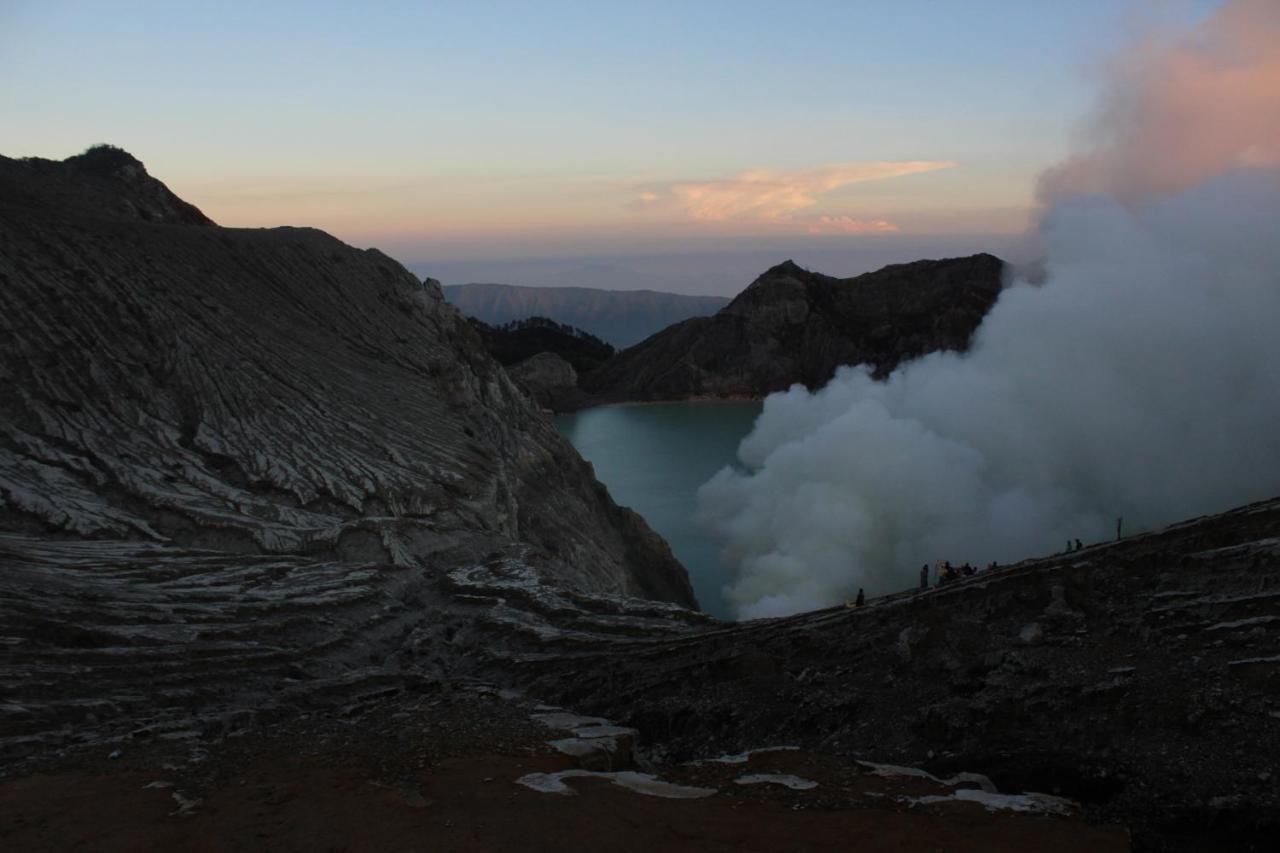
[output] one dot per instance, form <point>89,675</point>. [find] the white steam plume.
<point>1141,379</point>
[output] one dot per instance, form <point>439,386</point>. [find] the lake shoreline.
<point>700,400</point>
<point>653,456</point>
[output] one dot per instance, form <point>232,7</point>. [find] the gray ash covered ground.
<point>439,766</point>
<point>1141,677</point>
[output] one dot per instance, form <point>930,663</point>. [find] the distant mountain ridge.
<point>620,317</point>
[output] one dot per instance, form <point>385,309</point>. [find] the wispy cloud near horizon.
<point>849,225</point>
<point>772,196</point>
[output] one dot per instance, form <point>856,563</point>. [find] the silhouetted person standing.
<point>861,599</point>
<point>924,576</point>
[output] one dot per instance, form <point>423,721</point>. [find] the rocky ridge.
<point>791,325</point>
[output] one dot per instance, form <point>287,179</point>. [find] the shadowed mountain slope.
<point>268,391</point>
<point>227,421</point>
<point>792,325</point>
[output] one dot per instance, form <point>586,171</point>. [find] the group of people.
<point>948,573</point>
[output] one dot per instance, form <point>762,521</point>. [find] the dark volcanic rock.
<point>1141,677</point>
<point>545,358</point>
<point>104,182</point>
<point>549,380</point>
<point>228,452</point>
<point>272,391</point>
<point>792,326</point>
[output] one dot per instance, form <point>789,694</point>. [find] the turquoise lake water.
<point>653,458</point>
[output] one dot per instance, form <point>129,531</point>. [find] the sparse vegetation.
<point>517,340</point>
<point>104,158</point>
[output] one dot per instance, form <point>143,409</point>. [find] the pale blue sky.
<point>455,131</point>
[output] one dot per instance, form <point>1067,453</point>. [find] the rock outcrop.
<point>792,325</point>
<point>104,182</point>
<point>549,380</point>
<point>545,358</point>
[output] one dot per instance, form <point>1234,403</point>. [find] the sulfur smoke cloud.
<point>1140,378</point>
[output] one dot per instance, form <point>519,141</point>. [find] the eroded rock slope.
<point>225,451</point>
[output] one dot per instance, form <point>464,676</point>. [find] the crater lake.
<point>653,457</point>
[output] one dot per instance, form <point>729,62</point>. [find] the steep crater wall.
<point>268,391</point>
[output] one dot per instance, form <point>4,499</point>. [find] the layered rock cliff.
<point>791,325</point>
<point>222,433</point>
<point>270,391</point>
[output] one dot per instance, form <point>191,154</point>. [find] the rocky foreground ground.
<point>1140,677</point>
<point>1137,679</point>
<point>455,767</point>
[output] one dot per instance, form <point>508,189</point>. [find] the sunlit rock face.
<point>173,392</point>
<point>792,325</point>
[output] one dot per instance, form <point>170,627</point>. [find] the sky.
<point>674,145</point>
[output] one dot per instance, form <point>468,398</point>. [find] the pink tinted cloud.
<point>765,195</point>
<point>849,225</point>
<point>1183,109</point>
